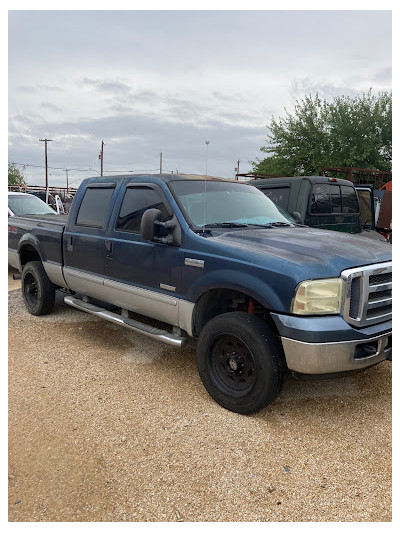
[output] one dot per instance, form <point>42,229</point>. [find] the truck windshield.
<point>213,203</point>
<point>27,204</point>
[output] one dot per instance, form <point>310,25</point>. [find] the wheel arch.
<point>220,300</point>
<point>29,250</point>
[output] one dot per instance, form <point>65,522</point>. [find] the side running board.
<point>134,325</point>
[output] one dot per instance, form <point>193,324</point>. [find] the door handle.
<point>69,244</point>
<point>109,248</point>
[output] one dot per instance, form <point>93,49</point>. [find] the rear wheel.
<point>240,362</point>
<point>37,290</point>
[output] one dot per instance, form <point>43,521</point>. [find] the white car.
<point>21,203</point>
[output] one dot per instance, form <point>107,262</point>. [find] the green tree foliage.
<point>347,132</point>
<point>15,177</point>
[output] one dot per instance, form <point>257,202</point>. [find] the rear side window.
<point>136,201</point>
<point>335,199</point>
<point>329,198</point>
<point>279,195</point>
<point>321,199</point>
<point>349,199</point>
<point>94,207</point>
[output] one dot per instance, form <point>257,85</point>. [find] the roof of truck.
<point>313,179</point>
<point>165,177</point>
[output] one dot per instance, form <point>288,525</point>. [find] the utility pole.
<point>45,159</point>
<point>237,169</point>
<point>66,171</point>
<point>101,154</point>
<point>160,162</point>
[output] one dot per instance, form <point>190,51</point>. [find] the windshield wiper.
<point>226,225</point>
<point>280,224</point>
<point>272,225</point>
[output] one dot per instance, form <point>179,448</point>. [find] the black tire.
<point>37,290</point>
<point>240,362</point>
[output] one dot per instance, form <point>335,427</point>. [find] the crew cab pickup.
<point>216,260</point>
<point>322,202</point>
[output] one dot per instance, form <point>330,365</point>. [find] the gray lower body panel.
<point>159,306</point>
<point>13,259</point>
<point>54,273</point>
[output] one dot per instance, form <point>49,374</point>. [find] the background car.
<point>20,203</point>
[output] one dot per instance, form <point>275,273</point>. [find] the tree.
<point>15,177</point>
<point>347,132</point>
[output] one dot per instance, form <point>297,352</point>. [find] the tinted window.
<point>279,195</point>
<point>329,198</point>
<point>94,206</point>
<point>136,201</point>
<point>349,199</point>
<point>320,200</point>
<point>335,199</point>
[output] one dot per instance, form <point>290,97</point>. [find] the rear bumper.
<point>13,259</point>
<point>329,345</point>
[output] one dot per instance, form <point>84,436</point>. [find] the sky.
<point>151,82</point>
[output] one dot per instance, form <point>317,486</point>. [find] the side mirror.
<point>151,225</point>
<point>147,226</point>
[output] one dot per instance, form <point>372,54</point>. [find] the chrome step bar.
<point>130,323</point>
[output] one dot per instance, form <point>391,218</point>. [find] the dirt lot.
<point>106,425</point>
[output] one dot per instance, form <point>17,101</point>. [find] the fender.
<point>53,270</point>
<point>31,240</point>
<point>270,294</point>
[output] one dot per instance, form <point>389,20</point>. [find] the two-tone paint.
<point>166,282</point>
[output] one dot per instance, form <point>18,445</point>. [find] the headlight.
<point>318,297</point>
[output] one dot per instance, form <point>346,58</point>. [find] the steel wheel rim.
<point>232,365</point>
<point>31,291</point>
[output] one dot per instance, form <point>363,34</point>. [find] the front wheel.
<point>37,290</point>
<point>240,362</point>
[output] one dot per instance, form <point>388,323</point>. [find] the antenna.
<point>207,142</point>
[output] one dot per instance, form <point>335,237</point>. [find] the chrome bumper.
<point>333,357</point>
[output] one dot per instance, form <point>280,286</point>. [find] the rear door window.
<point>94,207</point>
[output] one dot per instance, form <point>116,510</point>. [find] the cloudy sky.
<point>147,82</point>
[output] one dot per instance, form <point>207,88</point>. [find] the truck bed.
<point>46,230</point>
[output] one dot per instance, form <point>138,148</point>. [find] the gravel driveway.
<point>107,425</point>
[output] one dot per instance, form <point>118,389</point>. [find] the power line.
<point>84,169</point>
<point>130,171</point>
<point>52,168</point>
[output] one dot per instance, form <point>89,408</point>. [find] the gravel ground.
<point>109,426</point>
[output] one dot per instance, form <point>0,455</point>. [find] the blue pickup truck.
<point>216,260</point>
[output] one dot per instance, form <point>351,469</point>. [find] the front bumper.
<point>345,348</point>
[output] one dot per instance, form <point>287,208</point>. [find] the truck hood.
<point>319,253</point>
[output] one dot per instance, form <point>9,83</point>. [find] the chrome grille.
<point>368,294</point>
